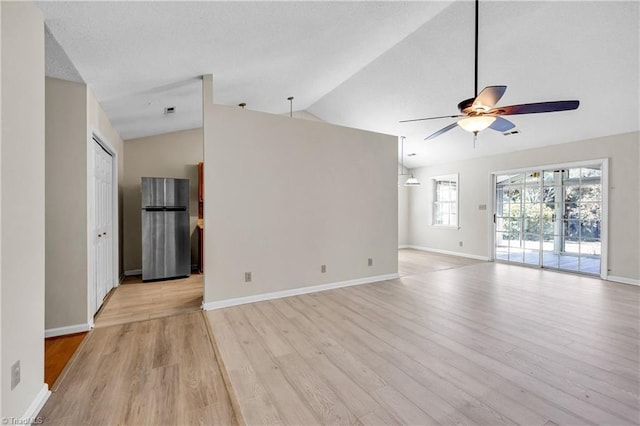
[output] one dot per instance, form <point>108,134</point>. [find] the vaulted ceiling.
<point>358,64</point>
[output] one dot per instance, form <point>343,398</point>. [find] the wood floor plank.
<point>453,341</point>
<point>461,342</point>
<point>353,396</point>
<point>326,404</point>
<point>477,381</point>
<point>257,406</point>
<point>119,377</point>
<point>137,301</point>
<point>290,404</point>
<point>493,360</point>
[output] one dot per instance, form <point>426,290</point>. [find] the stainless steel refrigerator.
<point>166,245</point>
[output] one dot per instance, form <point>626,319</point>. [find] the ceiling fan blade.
<point>441,131</point>
<point>502,125</point>
<point>431,118</point>
<point>489,96</point>
<point>536,108</point>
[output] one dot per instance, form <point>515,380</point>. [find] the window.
<point>445,201</point>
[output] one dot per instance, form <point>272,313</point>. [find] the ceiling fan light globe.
<point>476,123</point>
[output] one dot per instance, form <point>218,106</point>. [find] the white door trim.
<point>604,183</point>
<point>94,135</point>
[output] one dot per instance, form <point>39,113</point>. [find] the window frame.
<point>435,181</point>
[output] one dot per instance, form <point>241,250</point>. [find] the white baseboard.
<point>30,416</point>
<point>623,280</point>
<point>295,292</point>
<point>450,253</point>
<point>404,246</point>
<point>61,331</point>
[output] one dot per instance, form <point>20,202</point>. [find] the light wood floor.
<point>452,341</point>
<point>158,372</point>
<point>134,300</point>
<point>472,343</point>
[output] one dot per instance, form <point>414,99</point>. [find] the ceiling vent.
<point>169,110</point>
<point>413,154</point>
<point>513,132</point>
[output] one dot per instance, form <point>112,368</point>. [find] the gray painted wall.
<point>72,114</point>
<point>307,193</point>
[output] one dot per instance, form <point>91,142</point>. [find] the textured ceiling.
<point>359,64</point>
<point>57,64</point>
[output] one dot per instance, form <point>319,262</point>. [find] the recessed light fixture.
<point>170,110</point>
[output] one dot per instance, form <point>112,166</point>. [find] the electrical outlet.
<point>247,277</point>
<point>460,243</point>
<point>482,207</point>
<point>15,374</point>
<point>323,268</point>
<point>370,262</point>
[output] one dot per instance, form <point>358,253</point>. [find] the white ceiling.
<point>359,64</point>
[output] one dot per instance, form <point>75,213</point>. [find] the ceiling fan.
<point>479,113</point>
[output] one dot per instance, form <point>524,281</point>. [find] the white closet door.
<point>102,222</point>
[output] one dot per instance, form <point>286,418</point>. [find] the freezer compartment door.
<point>160,192</point>
<point>166,246</point>
<point>177,192</point>
<point>153,192</point>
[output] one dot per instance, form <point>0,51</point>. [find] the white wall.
<point>283,196</point>
<point>23,220</point>
<point>403,209</point>
<point>624,219</point>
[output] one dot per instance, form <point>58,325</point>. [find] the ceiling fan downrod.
<point>475,89</point>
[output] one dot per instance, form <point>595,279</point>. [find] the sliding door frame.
<point>604,182</point>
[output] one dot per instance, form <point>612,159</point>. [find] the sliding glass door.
<point>550,218</point>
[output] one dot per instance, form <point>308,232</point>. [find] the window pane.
<point>571,211</point>
<point>574,173</point>
<point>590,264</point>
<point>590,193</point>
<point>532,194</point>
<point>516,255</point>
<point>591,172</point>
<point>549,178</point>
<point>549,194</point>
<point>532,257</point>
<point>446,202</point>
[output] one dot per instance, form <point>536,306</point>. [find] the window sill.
<point>446,227</point>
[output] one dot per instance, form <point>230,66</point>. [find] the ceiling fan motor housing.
<point>465,106</point>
